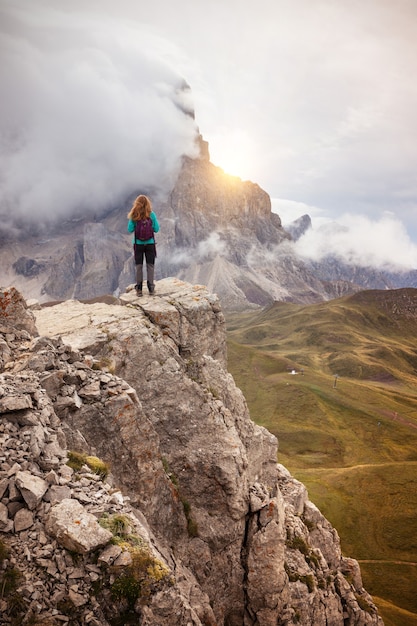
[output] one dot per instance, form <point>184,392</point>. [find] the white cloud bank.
<point>358,240</point>
<point>91,111</point>
<point>381,243</point>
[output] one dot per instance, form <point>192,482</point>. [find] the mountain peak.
<point>299,227</point>
<point>208,220</point>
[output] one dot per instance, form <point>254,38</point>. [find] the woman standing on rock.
<point>143,223</point>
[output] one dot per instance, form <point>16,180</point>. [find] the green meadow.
<point>336,382</point>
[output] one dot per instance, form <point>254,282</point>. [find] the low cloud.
<point>211,247</point>
<point>205,250</point>
<point>90,113</point>
<point>382,243</point>
<point>359,240</point>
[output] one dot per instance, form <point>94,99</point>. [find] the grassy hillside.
<point>336,382</point>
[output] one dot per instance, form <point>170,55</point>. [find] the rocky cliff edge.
<point>135,489</point>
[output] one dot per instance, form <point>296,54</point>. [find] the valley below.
<point>336,383</point>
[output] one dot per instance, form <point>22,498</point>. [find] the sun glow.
<point>233,152</point>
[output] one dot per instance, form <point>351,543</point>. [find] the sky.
<point>314,100</point>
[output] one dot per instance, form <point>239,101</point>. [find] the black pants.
<point>147,250</point>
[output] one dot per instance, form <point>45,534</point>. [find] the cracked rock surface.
<point>192,521</point>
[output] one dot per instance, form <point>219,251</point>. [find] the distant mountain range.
<point>216,230</point>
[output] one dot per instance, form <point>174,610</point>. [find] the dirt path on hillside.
<point>396,417</point>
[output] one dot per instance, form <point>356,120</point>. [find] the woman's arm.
<point>155,223</point>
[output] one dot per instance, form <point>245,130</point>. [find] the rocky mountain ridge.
<point>195,523</point>
<point>216,230</point>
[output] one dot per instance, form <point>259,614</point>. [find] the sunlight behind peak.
<point>233,151</point>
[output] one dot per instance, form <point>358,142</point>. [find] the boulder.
<point>74,528</point>
<point>31,487</point>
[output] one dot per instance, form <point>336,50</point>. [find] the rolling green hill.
<point>336,382</point>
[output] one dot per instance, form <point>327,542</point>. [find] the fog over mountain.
<point>360,241</point>
<point>89,114</point>
<point>94,109</point>
<point>382,243</point>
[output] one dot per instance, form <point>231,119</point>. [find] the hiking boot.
<point>138,289</point>
<point>151,288</point>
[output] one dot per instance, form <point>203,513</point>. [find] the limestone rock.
<point>77,598</point>
<point>31,487</point>
<point>76,529</point>
<point>110,554</point>
<point>213,530</point>
<point>15,403</point>
<point>23,520</point>
<point>57,493</point>
<point>14,312</point>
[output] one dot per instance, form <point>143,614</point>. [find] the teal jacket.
<point>155,226</point>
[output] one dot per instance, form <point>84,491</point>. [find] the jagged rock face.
<point>91,267</point>
<point>144,386</point>
<point>221,232</point>
<point>14,313</point>
<point>299,227</point>
<point>216,230</point>
<point>49,512</point>
<point>28,267</point>
<point>402,279</point>
<point>205,200</point>
<point>333,269</point>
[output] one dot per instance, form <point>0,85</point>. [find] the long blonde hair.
<point>141,209</point>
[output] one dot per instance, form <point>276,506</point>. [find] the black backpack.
<point>144,229</point>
